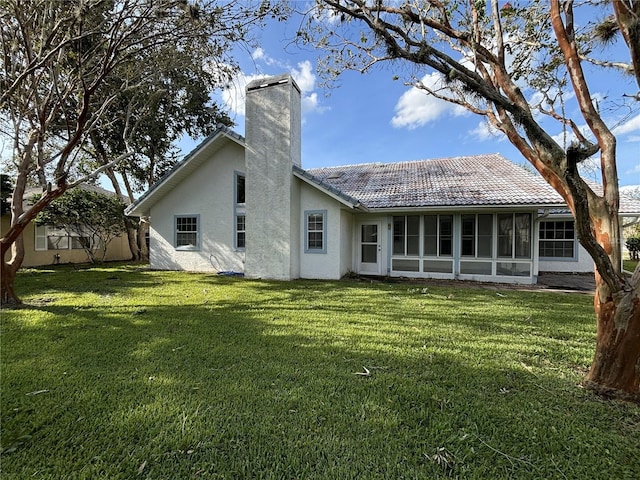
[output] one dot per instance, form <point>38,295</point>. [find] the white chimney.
<point>273,146</point>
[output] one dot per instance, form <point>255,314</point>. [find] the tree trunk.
<point>13,237</point>
<point>143,228</point>
<point>8,272</point>
<point>133,244</point>
<point>615,369</point>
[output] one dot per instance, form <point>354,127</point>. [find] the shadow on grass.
<point>241,379</point>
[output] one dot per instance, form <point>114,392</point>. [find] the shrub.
<point>633,245</point>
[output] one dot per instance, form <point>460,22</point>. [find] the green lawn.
<point>118,373</point>
<point>630,265</point>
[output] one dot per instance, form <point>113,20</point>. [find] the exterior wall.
<point>208,193</point>
<point>329,263</point>
<point>117,250</point>
<point>581,263</point>
<point>273,123</point>
<point>346,242</point>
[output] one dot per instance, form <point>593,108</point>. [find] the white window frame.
<point>405,236</point>
<point>43,232</point>
<point>240,231</point>
<point>439,236</point>
<point>189,247</point>
<point>322,231</point>
<point>513,238</point>
<point>573,241</point>
<point>480,240</point>
<point>239,210</point>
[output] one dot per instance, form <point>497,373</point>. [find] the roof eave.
<point>439,208</point>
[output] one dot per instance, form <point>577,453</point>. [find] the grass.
<point>630,265</point>
<point>120,373</point>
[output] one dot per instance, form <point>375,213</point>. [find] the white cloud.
<point>416,108</point>
<point>326,15</point>
<point>485,131</point>
<point>632,125</point>
<point>564,139</point>
<point>634,170</point>
<point>234,94</point>
<point>258,54</point>
<point>304,77</point>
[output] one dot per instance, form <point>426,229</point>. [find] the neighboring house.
<point>247,205</point>
<point>47,244</point>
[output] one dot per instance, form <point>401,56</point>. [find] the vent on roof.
<point>335,175</point>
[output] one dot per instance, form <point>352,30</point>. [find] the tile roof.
<point>475,180</point>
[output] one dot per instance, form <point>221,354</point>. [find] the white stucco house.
<point>247,205</point>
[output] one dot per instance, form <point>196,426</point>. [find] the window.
<point>187,235</point>
<point>239,188</point>
<point>477,236</point>
<point>239,212</point>
<point>406,235</point>
<point>514,235</point>
<point>54,238</point>
<point>240,231</point>
<point>315,231</point>
<point>438,235</point>
<point>557,239</point>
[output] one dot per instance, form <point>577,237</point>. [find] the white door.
<point>370,249</point>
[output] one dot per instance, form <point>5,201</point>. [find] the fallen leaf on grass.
<point>37,392</point>
<point>366,372</point>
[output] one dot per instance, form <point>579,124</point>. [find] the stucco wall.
<point>209,193</point>
<point>118,249</point>
<point>328,265</point>
<point>346,242</point>
<point>583,264</point>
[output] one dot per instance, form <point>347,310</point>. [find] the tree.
<point>64,65</point>
<point>91,218</point>
<point>174,100</point>
<point>488,59</point>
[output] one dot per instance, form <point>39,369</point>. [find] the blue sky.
<point>374,118</point>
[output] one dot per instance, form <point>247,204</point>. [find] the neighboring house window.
<point>477,235</point>
<point>557,239</point>
<point>406,235</point>
<point>514,235</point>
<point>239,211</point>
<point>187,232</point>
<point>315,226</point>
<point>53,238</point>
<point>438,235</point>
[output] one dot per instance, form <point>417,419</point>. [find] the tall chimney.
<point>273,146</point>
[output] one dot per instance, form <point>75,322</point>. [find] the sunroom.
<point>487,246</point>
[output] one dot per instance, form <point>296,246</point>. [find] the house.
<point>48,245</point>
<point>247,205</point>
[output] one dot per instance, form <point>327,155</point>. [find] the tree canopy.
<point>93,218</point>
<point>81,67</point>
